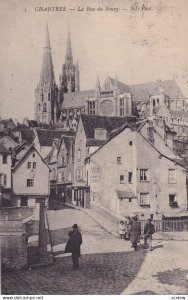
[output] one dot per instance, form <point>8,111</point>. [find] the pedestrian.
<point>73,245</point>
<point>134,232</point>
<point>122,229</point>
<point>149,230</point>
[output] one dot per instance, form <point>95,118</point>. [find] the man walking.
<point>75,242</point>
<point>134,232</point>
<point>149,230</point>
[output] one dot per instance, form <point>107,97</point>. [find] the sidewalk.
<point>112,228</point>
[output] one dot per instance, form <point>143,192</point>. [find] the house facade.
<point>5,176</point>
<point>136,178</point>
<point>30,179</point>
<point>92,132</point>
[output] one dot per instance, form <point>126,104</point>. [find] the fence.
<point>168,225</point>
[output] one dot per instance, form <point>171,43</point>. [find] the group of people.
<point>132,230</point>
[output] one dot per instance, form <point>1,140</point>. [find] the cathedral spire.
<point>68,56</point>
<point>97,85</point>
<point>47,71</point>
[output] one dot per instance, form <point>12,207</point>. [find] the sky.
<point>138,44</point>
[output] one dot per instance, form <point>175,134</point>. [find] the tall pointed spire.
<point>47,71</point>
<point>47,41</point>
<point>68,56</point>
<point>97,85</point>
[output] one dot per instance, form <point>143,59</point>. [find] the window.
<point>144,175</point>
<point>119,160</point>
<point>91,108</point>
<point>130,175</point>
<point>33,154</point>
<point>130,143</point>
<point>30,182</point>
<point>4,159</point>
<point>44,107</point>
<point>144,199</point>
<point>130,199</point>
<point>121,107</point>
<point>79,174</point>
<point>34,165</point>
<point>172,200</point>
<point>24,201</point>
<point>171,176</point>
<point>121,178</point>
<point>5,180</point>
<point>62,176</point>
<point>79,154</point>
<point>29,165</point>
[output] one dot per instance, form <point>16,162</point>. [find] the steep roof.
<point>25,153</point>
<point>47,136</point>
<point>108,123</point>
<point>124,88</point>
<point>143,91</point>
<point>3,150</point>
<point>76,100</point>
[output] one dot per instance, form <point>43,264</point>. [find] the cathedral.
<point>48,95</point>
<point>65,102</point>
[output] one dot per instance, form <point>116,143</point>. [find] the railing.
<point>168,225</point>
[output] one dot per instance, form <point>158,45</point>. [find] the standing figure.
<point>122,229</point>
<point>135,232</point>
<point>149,230</point>
<point>73,245</point>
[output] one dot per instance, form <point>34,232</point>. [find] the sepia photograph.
<point>93,148</point>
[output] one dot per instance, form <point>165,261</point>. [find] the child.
<point>122,230</point>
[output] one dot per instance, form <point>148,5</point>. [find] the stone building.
<point>46,93</point>
<point>92,132</point>
<point>128,174</point>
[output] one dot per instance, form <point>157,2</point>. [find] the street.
<point>108,265</point>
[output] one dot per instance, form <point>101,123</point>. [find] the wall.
<point>106,159</point>
<point>41,176</point>
<point>141,155</point>
<point>80,143</point>
<point>6,169</point>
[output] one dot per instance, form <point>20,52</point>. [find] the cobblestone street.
<point>107,265</point>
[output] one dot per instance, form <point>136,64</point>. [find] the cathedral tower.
<point>69,78</point>
<point>46,92</point>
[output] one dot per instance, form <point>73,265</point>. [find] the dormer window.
<point>100,134</point>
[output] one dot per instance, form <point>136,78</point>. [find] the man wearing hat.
<point>75,242</point>
<point>149,230</point>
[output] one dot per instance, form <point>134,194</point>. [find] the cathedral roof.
<point>108,123</point>
<point>143,91</point>
<point>76,100</point>
<point>47,71</point>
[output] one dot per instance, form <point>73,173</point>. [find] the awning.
<point>127,193</point>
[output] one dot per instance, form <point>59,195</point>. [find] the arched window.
<point>42,97</point>
<point>44,107</point>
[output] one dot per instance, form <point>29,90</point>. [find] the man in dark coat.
<point>75,241</point>
<point>135,232</point>
<point>149,230</point>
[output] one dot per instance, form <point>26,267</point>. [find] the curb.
<point>117,235</point>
